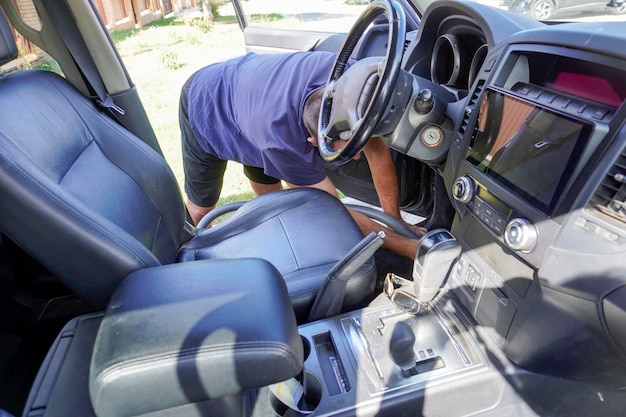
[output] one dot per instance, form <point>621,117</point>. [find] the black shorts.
<point>204,173</point>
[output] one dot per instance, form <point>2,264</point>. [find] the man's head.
<point>310,117</point>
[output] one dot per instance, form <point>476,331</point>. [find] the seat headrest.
<point>8,48</point>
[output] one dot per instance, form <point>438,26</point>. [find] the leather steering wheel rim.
<point>379,96</point>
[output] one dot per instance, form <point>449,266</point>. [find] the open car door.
<point>280,27</point>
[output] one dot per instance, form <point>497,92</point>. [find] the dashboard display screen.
<point>529,149</point>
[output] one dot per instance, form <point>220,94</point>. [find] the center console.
<point>383,359</point>
<point>348,362</point>
<point>172,349</point>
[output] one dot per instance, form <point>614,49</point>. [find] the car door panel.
<point>268,40</point>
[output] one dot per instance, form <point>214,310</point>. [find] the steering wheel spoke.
<point>355,99</point>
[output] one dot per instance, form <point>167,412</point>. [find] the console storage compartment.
<point>177,339</point>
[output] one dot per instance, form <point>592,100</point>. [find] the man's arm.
<point>393,241</point>
<point>384,175</point>
<point>383,172</point>
<point>197,212</point>
<point>326,185</point>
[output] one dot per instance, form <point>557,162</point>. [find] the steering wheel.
<point>355,99</point>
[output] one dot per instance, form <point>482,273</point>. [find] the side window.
<point>30,56</point>
<point>309,15</point>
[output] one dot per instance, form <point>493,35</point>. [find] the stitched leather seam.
<point>293,250</point>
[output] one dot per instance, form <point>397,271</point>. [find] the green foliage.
<point>120,35</point>
<point>215,9</point>
<point>226,19</point>
<point>272,17</point>
<point>170,21</point>
<point>201,23</point>
<point>170,60</point>
<point>50,65</point>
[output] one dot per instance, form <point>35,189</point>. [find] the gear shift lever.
<point>436,252</point>
<point>401,347</point>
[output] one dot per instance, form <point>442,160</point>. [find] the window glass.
<point>30,56</point>
<point>317,15</point>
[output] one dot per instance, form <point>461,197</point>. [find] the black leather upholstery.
<point>162,345</point>
<point>93,203</point>
<point>303,234</point>
<point>88,200</point>
<point>8,48</point>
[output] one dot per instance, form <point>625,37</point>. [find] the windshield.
<point>338,15</point>
<point>555,11</point>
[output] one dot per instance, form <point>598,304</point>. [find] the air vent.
<point>610,197</point>
<point>471,104</point>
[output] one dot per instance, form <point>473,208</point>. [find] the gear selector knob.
<point>401,346</point>
<point>436,252</point>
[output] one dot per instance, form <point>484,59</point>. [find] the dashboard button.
<point>597,113</point>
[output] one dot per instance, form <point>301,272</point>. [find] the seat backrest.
<point>79,193</point>
<point>8,48</point>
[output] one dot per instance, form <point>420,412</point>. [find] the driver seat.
<point>92,202</point>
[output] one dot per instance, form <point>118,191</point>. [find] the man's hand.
<point>418,230</point>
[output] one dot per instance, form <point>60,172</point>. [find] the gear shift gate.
<point>436,354</point>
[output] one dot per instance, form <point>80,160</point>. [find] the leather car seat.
<point>92,202</point>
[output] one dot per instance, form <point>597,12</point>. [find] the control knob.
<point>463,189</point>
<point>401,347</point>
<point>520,235</point>
<point>424,102</point>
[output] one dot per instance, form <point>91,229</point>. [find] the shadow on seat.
<point>93,203</point>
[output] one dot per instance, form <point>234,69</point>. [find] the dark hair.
<point>311,111</point>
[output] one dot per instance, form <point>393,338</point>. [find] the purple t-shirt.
<point>249,110</point>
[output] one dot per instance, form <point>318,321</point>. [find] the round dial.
<point>520,235</point>
<point>463,189</point>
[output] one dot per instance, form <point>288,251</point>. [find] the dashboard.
<point>532,157</point>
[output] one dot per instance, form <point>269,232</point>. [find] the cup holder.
<point>308,403</point>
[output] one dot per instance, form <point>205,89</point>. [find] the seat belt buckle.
<point>109,104</point>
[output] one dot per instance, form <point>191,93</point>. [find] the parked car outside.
<point>548,9</point>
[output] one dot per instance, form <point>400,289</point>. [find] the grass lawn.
<point>160,57</point>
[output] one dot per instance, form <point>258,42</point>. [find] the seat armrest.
<point>192,332</point>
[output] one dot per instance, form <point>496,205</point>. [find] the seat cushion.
<point>279,227</point>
